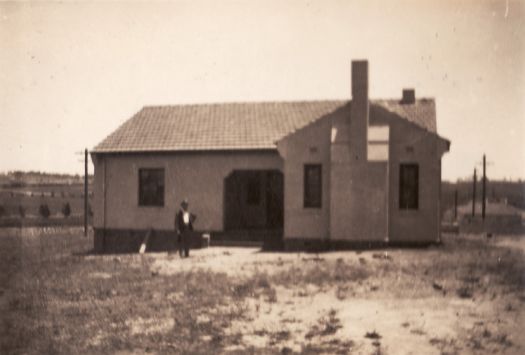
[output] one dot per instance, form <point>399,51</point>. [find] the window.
<point>253,195</point>
<point>151,187</point>
<point>377,149</point>
<point>408,186</point>
<point>312,185</point>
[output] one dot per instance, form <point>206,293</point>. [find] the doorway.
<point>253,200</point>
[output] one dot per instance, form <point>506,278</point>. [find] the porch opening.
<point>253,200</point>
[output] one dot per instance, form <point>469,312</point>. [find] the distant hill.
<point>25,178</point>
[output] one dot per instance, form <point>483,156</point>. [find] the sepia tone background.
<point>73,72</point>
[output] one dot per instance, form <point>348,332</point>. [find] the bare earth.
<point>464,297</point>
<point>414,320</point>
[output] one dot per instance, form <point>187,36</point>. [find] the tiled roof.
<point>233,126</point>
<point>422,112</point>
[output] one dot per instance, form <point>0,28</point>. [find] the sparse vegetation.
<point>66,210</point>
<point>44,210</point>
<point>327,325</point>
<point>21,211</point>
<point>61,299</point>
<point>30,198</point>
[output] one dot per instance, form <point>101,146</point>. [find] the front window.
<point>409,186</point>
<point>312,185</point>
<point>151,187</point>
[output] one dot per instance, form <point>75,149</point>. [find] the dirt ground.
<point>463,297</point>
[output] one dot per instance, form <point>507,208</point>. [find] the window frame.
<point>307,200</point>
<point>140,195</point>
<point>404,205</point>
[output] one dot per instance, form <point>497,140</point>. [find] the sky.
<point>71,73</point>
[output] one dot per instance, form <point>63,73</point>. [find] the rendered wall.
<point>359,189</point>
<point>196,176</point>
<point>361,198</point>
<point>310,145</point>
<point>411,144</point>
<point>415,146</point>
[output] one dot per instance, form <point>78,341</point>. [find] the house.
<point>301,174</point>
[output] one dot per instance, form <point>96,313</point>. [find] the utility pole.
<point>456,205</point>
<point>85,192</point>
<point>484,164</point>
<point>483,191</point>
<point>474,194</point>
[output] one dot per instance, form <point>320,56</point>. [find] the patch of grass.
<point>418,331</point>
<point>256,286</point>
<point>333,346</point>
<point>446,346</point>
<point>325,273</point>
<point>372,335</point>
<point>341,292</point>
<point>55,305</point>
<point>277,337</point>
<point>327,325</point>
<point>464,292</point>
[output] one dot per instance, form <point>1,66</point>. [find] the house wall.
<point>199,177</point>
<point>359,189</point>
<point>310,145</point>
<point>411,144</point>
<point>361,198</point>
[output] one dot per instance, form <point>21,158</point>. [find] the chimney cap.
<point>409,96</point>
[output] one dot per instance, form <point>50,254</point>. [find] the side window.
<point>151,187</point>
<point>313,186</point>
<point>409,186</point>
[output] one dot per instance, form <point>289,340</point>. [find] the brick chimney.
<point>409,96</point>
<point>359,110</point>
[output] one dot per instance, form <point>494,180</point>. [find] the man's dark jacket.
<point>180,226</point>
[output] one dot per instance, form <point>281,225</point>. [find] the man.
<point>184,226</point>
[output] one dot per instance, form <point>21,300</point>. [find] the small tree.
<point>66,209</point>
<point>44,211</point>
<point>21,211</point>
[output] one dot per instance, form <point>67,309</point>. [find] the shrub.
<point>44,211</point>
<point>21,211</point>
<point>66,209</point>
